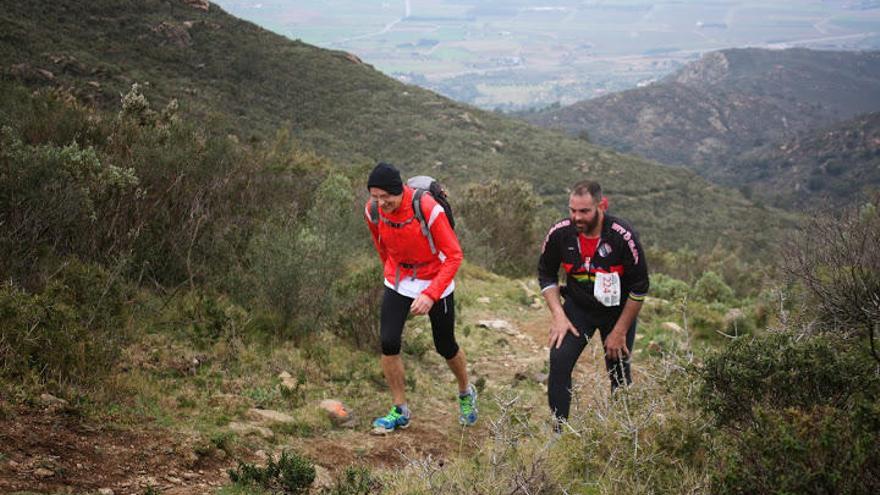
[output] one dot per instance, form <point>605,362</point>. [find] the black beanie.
<point>386,177</point>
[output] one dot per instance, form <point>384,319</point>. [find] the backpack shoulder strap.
<point>374,212</point>
<point>420,216</point>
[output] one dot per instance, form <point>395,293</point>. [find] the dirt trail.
<point>48,449</point>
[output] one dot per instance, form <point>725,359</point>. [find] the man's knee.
<point>390,347</point>
<point>446,349</point>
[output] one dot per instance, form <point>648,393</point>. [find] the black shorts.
<point>395,309</point>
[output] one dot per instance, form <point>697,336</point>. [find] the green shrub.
<point>354,481</point>
<point>710,287</point>
<point>295,260</point>
<point>665,287</point>
<point>54,196</point>
<point>785,371</point>
<point>70,332</point>
<point>816,450</point>
<point>837,259</point>
<point>499,228</point>
<point>359,299</point>
<point>292,474</point>
<point>206,318</point>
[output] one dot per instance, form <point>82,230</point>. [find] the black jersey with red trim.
<point>618,251</point>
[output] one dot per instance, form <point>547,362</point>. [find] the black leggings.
<point>395,309</point>
<point>562,360</point>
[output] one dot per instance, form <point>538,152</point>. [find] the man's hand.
<point>421,305</point>
<point>615,344</point>
<point>560,326</point>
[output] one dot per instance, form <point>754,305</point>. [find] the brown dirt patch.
<point>50,450</point>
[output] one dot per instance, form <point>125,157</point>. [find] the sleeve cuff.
<point>549,287</point>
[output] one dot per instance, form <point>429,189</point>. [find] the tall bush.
<point>836,257</point>
<point>499,228</point>
<point>68,333</point>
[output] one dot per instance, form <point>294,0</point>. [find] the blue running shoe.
<point>467,407</point>
<point>390,422</point>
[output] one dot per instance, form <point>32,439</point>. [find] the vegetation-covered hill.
<point>255,82</point>
<point>727,103</point>
<point>841,163</point>
<point>179,296</point>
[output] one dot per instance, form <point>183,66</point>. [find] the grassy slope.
<point>224,68</point>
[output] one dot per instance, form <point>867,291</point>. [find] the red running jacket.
<point>405,250</point>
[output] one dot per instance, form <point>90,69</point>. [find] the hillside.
<point>840,163</point>
<point>725,104</point>
<point>224,69</point>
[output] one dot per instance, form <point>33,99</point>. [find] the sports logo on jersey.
<point>604,250</point>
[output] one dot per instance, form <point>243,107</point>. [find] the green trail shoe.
<point>467,407</point>
<point>390,422</point>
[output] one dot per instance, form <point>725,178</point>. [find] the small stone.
<point>338,412</point>
<point>672,327</point>
<point>484,300</point>
<point>51,400</point>
<point>105,491</point>
<point>288,381</point>
<point>174,480</point>
<point>249,429</point>
<point>501,325</point>
<point>541,378</point>
<point>270,416</point>
<point>189,475</point>
<point>43,473</point>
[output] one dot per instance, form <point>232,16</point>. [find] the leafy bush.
<point>359,296</point>
<point>837,258</point>
<point>292,474</point>
<point>53,196</point>
<point>669,288</point>
<point>783,370</point>
<point>70,332</point>
<point>710,287</point>
<point>354,481</point>
<point>295,260</point>
<point>821,450</point>
<point>499,225</point>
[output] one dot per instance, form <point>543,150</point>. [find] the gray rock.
<point>500,325</point>
<point>672,327</point>
<point>246,429</point>
<point>43,473</point>
<point>269,416</point>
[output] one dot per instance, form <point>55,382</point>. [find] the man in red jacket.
<point>416,280</point>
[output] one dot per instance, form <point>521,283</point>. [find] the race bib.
<point>606,289</point>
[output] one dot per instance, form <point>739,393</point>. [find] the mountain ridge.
<point>709,112</point>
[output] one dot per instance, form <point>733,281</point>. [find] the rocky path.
<point>48,448</point>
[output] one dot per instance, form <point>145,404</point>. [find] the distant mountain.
<point>731,101</point>
<point>226,69</point>
<point>839,164</point>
